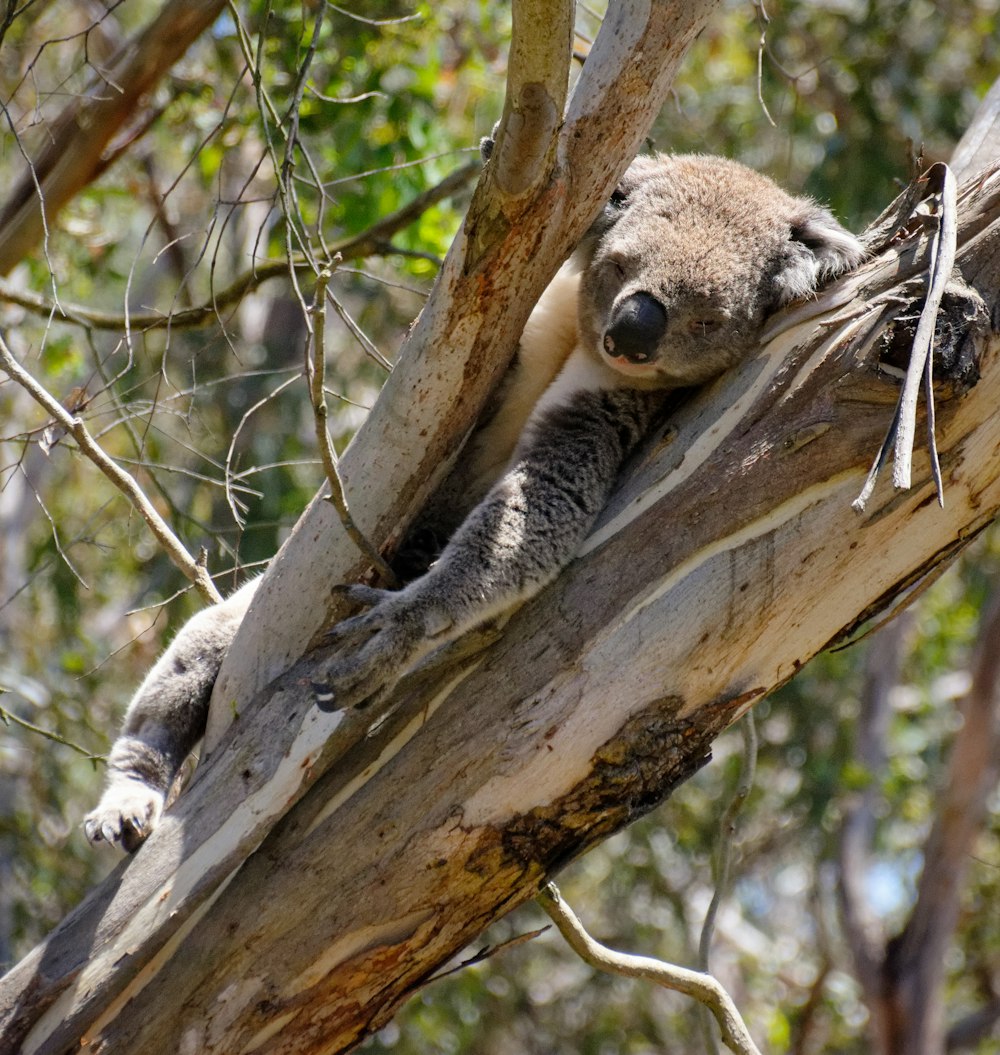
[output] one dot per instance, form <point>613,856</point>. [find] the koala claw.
<point>127,813</point>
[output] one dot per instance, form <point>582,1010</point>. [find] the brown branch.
<point>73,153</point>
<point>193,570</point>
<point>375,241</point>
<point>862,929</point>
<point>916,959</point>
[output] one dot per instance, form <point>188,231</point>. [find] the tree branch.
<point>192,570</point>
<point>916,958</point>
<point>703,987</point>
<point>74,148</point>
<point>373,242</point>
<point>862,929</point>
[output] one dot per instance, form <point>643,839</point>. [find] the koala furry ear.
<point>818,250</point>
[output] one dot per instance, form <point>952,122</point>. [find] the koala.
<point>669,288</point>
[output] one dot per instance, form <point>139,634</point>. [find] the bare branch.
<point>917,958</point>
<point>8,716</point>
<point>316,373</point>
<point>190,568</point>
<point>373,242</point>
<point>863,931</point>
<point>704,988</point>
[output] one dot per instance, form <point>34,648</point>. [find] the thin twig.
<point>373,242</point>
<point>900,434</point>
<point>484,954</point>
<point>702,987</point>
<point>727,836</point>
<point>193,570</point>
<point>7,717</point>
<point>316,371</point>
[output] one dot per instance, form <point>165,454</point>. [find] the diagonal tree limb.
<point>192,569</point>
<point>74,148</point>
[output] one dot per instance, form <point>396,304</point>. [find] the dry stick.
<point>943,250</point>
<point>703,987</point>
<point>193,570</point>
<point>316,370</point>
<point>901,432</point>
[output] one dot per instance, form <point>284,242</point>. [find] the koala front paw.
<point>128,811</point>
<point>374,649</point>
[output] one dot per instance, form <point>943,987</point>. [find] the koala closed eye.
<point>703,327</point>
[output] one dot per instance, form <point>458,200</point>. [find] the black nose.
<point>637,324</point>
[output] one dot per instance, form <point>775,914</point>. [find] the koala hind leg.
<point>164,721</point>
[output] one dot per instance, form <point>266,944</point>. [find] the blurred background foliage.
<point>214,422</point>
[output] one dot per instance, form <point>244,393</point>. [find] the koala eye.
<point>618,196</point>
<point>703,327</point>
<point>616,264</point>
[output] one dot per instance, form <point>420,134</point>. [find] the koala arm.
<point>525,531</point>
<point>164,721</point>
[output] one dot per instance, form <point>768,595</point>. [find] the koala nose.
<point>637,324</point>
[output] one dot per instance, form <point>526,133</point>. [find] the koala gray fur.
<point>670,287</point>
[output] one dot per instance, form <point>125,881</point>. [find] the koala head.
<point>688,259</point>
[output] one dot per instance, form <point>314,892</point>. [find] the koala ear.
<point>819,248</point>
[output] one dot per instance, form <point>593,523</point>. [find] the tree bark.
<point>730,556</point>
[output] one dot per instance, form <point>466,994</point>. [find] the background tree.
<point>186,198</point>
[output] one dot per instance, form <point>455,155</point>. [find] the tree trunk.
<point>729,557</point>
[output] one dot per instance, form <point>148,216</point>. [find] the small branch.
<point>727,836</point>
<point>7,717</point>
<point>484,954</point>
<point>316,372</point>
<point>373,242</point>
<point>702,987</point>
<point>193,570</point>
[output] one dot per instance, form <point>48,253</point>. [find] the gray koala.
<point>670,287</point>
